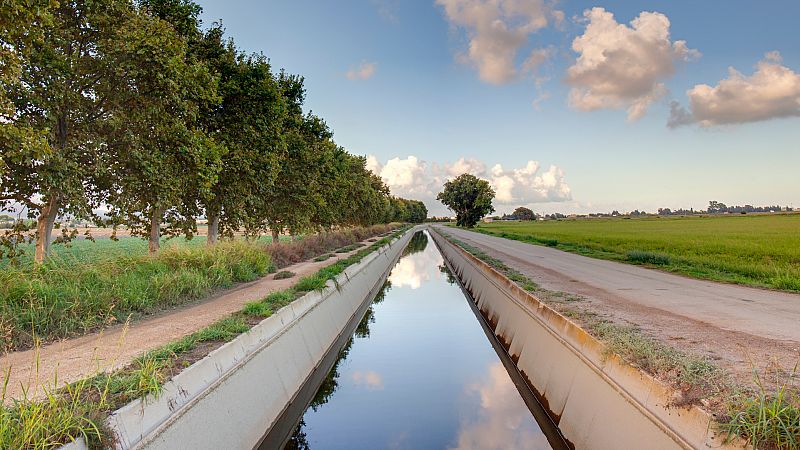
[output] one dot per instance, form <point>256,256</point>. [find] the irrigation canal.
<point>419,370</point>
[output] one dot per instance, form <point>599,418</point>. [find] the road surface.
<point>724,321</point>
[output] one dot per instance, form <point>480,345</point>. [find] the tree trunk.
<point>213,227</point>
<point>44,229</point>
<point>155,231</point>
<point>276,234</point>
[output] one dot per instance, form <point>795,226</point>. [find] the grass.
<point>60,418</point>
<point>324,257</point>
<point>349,248</point>
<point>768,419</point>
<point>283,274</point>
<point>755,250</point>
<point>80,409</point>
<point>59,300</point>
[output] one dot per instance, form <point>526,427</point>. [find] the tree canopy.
<point>131,108</point>
<point>523,213</point>
<point>469,197</point>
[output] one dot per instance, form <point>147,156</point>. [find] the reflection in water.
<point>451,279</point>
<point>418,243</point>
<point>418,373</point>
<point>498,423</point>
<point>329,385</point>
<point>413,269</point>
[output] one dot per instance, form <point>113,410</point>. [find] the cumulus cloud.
<point>415,178</point>
<point>496,30</point>
<point>772,91</point>
<point>363,72</point>
<point>621,66</point>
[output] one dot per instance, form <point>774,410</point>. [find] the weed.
<point>257,309</point>
<point>60,300</point>
<point>768,419</point>
<point>645,257</point>
<point>58,419</point>
<point>283,274</point>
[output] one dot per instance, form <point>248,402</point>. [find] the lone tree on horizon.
<point>523,213</point>
<point>470,198</point>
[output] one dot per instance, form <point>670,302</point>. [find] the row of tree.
<point>130,107</point>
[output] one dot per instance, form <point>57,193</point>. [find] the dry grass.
<point>287,253</point>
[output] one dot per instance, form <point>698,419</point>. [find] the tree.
<point>68,88</point>
<point>523,213</point>
<point>163,165</point>
<point>248,122</point>
<point>469,197</point>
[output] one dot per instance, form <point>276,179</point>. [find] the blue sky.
<point>424,97</point>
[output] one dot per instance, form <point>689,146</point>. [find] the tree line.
<point>131,107</point>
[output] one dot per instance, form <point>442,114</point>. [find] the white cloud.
<point>498,418</point>
<point>363,72</point>
<point>622,66</point>
<point>370,379</point>
<point>496,30</point>
<point>417,179</point>
<point>772,91</point>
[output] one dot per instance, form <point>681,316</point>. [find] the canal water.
<point>419,372</point>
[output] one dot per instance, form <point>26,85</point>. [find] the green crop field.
<point>756,250</point>
<point>103,248</point>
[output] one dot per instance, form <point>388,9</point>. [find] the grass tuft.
<point>283,274</point>
<point>645,257</point>
<point>768,418</point>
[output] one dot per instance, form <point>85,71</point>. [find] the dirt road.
<point>115,347</point>
<point>735,325</point>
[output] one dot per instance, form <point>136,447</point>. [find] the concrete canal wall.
<point>233,397</point>
<point>598,401</point>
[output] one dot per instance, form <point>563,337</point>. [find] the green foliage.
<point>283,274</point>
<point>644,257</point>
<point>523,213</point>
<point>402,210</point>
<point>257,309</point>
<point>66,87</point>
<point>132,106</point>
<point>66,297</point>
<point>470,198</point>
<point>757,250</point>
<point>58,419</point>
<point>768,419</point>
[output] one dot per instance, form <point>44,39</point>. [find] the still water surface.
<point>418,372</point>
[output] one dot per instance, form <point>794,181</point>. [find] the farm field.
<point>83,250</point>
<point>754,250</point>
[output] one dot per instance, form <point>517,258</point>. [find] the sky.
<point>564,106</point>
